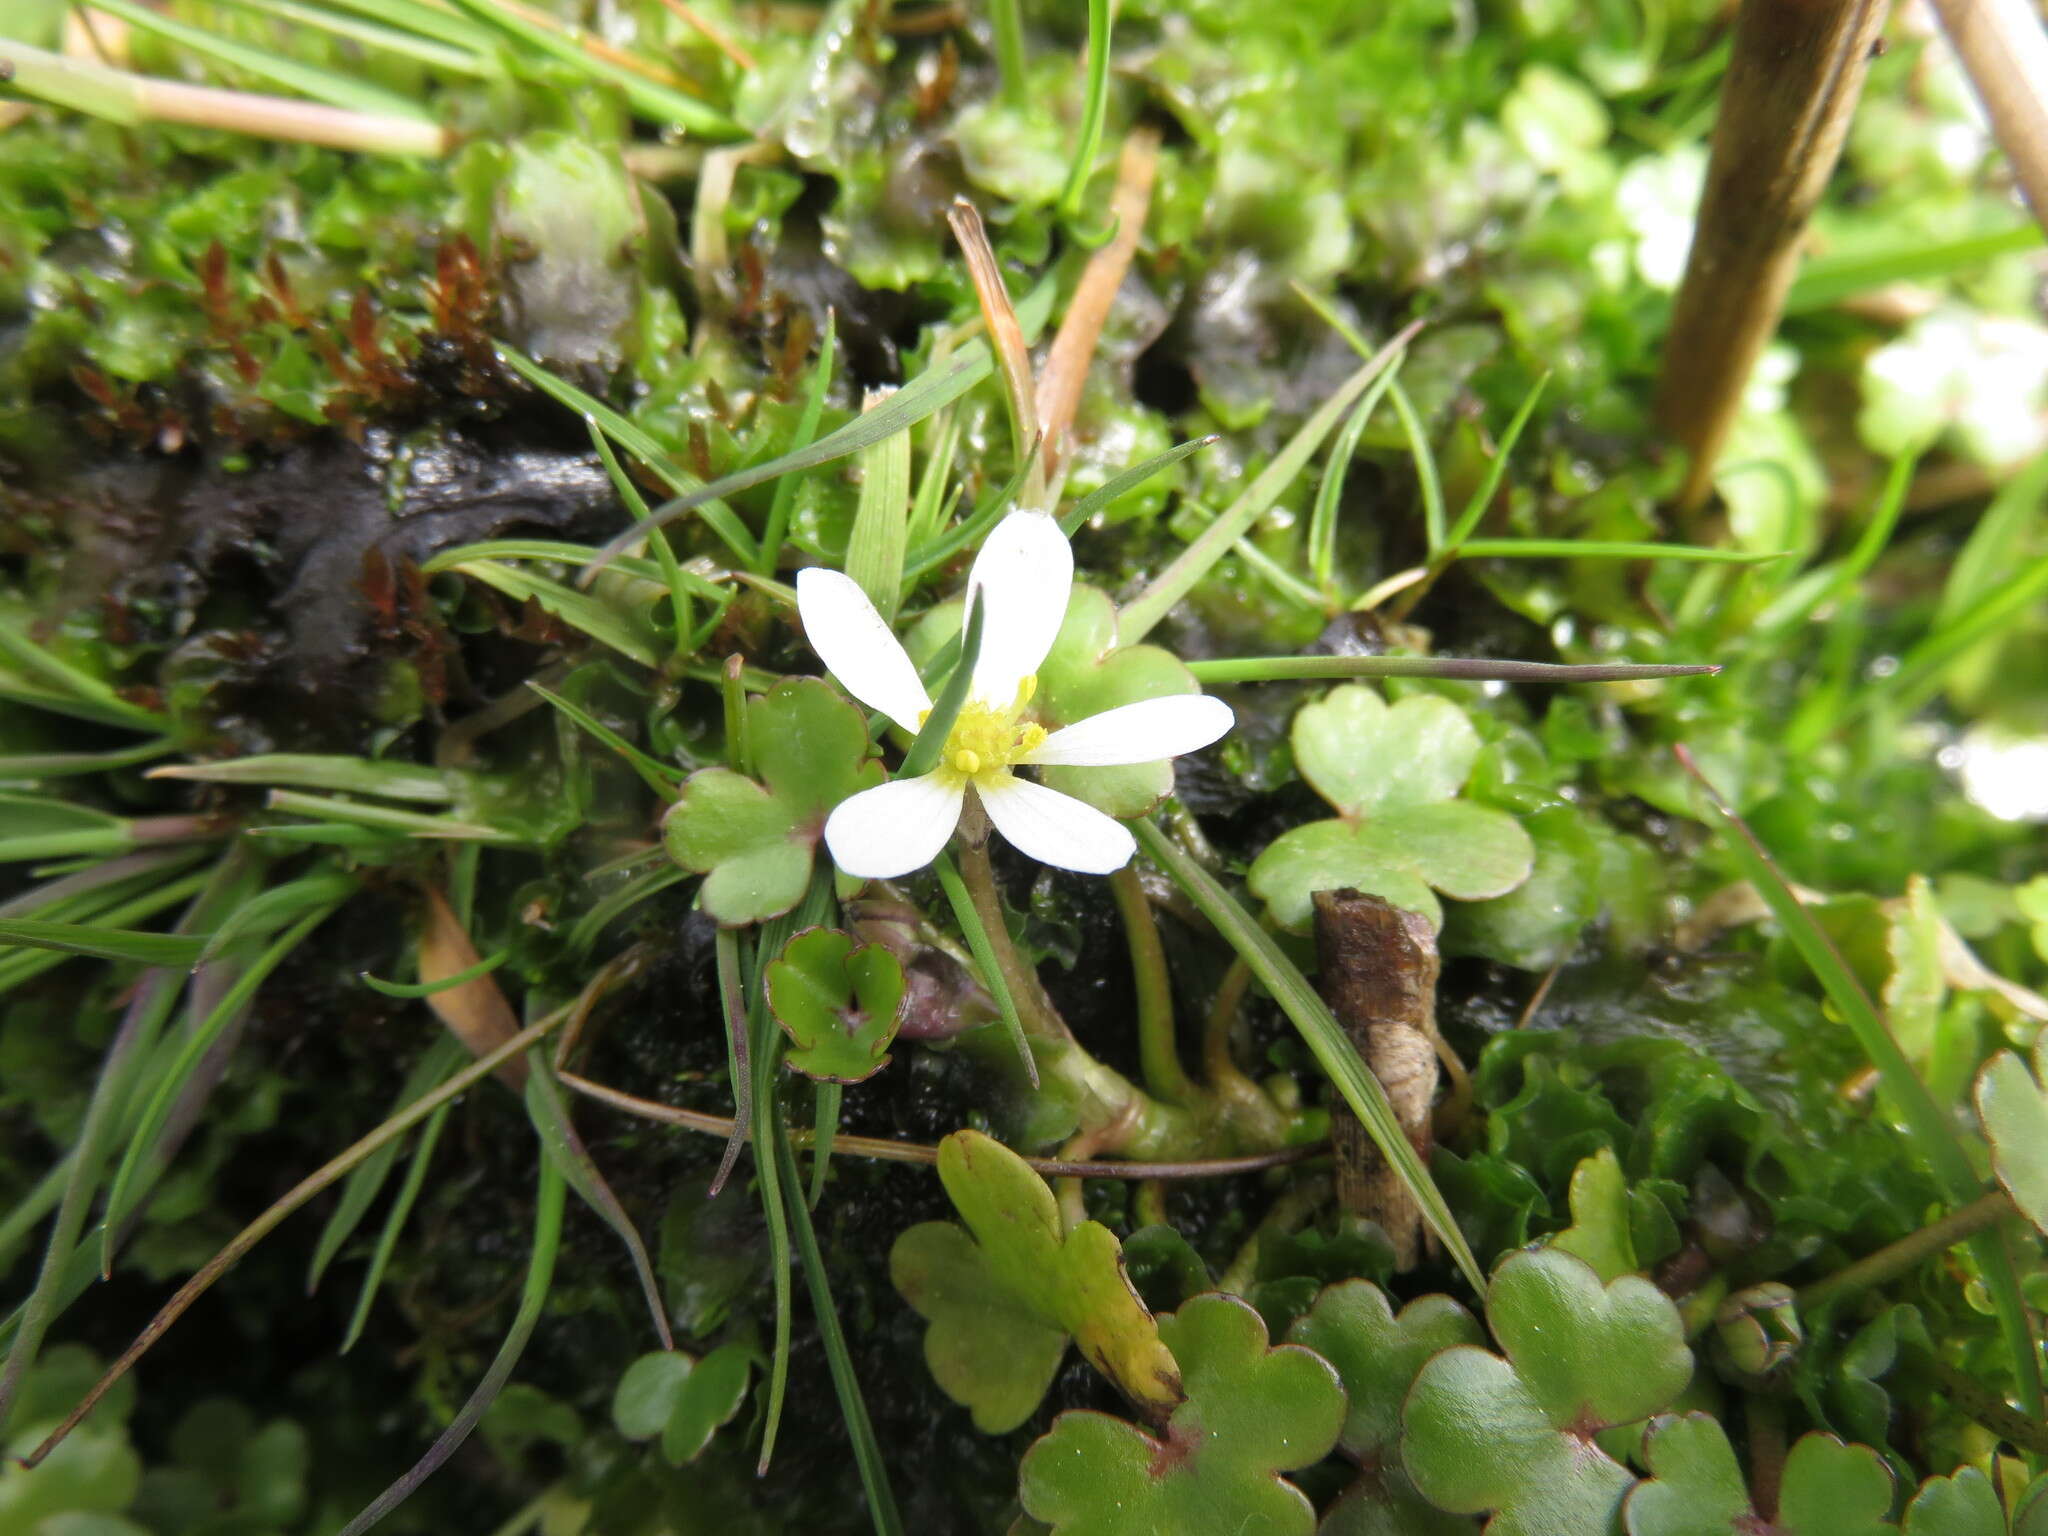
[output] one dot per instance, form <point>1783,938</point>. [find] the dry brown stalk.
<point>1792,83</point>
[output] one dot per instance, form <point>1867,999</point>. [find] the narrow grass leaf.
<point>1321,1032</point>
<point>930,391</point>
<point>1482,497</point>
<point>708,501</point>
<point>971,529</point>
<point>1278,669</point>
<point>626,631</point>
<point>1193,563</point>
<point>657,775</point>
<point>776,530</point>
<point>345,775</point>
<point>733,1002</point>
<point>928,508</point>
<point>540,1276</point>
<point>603,913</point>
<point>999,315</point>
<point>650,98</point>
<point>70,765</point>
<point>238,1246</point>
<point>1602,549</point>
<point>179,950</point>
<point>443,984</point>
<point>1322,522</point>
<point>636,507</point>
<point>1929,1127</point>
<point>853,1411</point>
<point>881,520</point>
<point>1094,104</point>
<point>394,1225</point>
<point>129,1185</point>
<point>1428,479</point>
<point>76,692</point>
<point>331,86</point>
<point>434,54</point>
<point>984,954</point>
<point>1103,495</point>
<point>279,905</point>
<point>824,1129</point>
<point>1999,543</point>
<point>363,1185</point>
<point>1826,281</point>
<point>384,819</point>
<point>565,1148</point>
<point>923,755</point>
<point>1922,669</point>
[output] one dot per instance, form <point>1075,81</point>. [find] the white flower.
<point>1021,580</point>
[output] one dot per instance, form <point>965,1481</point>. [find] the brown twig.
<point>884,1150</point>
<point>2005,54</point>
<point>1073,347</point>
<point>1792,83</point>
<point>716,35</point>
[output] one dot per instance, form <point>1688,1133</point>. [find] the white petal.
<point>1054,828</point>
<point>856,643</point>
<point>894,828</point>
<point>1023,574</point>
<point>1143,732</point>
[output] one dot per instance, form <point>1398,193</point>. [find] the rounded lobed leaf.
<point>1695,1486</point>
<point>1832,1489</point>
<point>647,1392</point>
<point>1594,1356</point>
<point>1377,1355</point>
<point>1963,1504</point>
<point>1331,856</point>
<point>839,1002</point>
<point>1366,757</point>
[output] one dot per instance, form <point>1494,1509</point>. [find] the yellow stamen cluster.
<point>986,739</point>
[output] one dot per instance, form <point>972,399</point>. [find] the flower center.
<point>987,737</point>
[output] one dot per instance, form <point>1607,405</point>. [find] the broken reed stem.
<point>1005,336</point>
<point>884,1150</point>
<point>2005,54</point>
<point>1792,83</point>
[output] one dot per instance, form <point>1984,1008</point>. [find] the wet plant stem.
<point>1007,18</point>
<point>1894,1259</point>
<point>1034,1009</point>
<point>1766,1420</point>
<point>1293,1207</point>
<point>1217,1059</point>
<point>1158,1050</point>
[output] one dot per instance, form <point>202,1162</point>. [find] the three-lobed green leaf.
<point>1392,773</point>
<point>839,1001</point>
<point>754,841</point>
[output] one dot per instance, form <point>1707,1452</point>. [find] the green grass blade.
<point>540,1276</point>
<point>279,905</point>
<point>929,507</point>
<point>1601,549</point>
<point>1922,668</point>
<point>345,775</point>
<point>1824,281</point>
<point>565,1148</point>
<point>623,630</point>
<point>1321,1032</point>
<point>1928,1126</point>
<point>127,1189</point>
<point>394,1223</point>
<point>657,775</point>
<point>1089,144</point>
<point>1428,478</point>
<point>1281,669</point>
<point>382,819</point>
<point>468,973</point>
<point>824,1128</point>
<point>650,98</point>
<point>435,54</point>
<point>179,950</point>
<point>1077,515</point>
<point>602,914</point>
<point>331,86</point>
<point>68,765</point>
<point>978,945</point>
<point>77,692</point>
<point>732,1001</point>
<point>426,19</point>
<point>853,1411</point>
<point>361,1188</point>
<point>1322,522</point>
<point>112,95</point>
<point>881,522</point>
<point>1482,498</point>
<point>777,527</point>
<point>1998,544</point>
<point>1193,563</point>
<point>664,557</point>
<point>973,528</point>
<point>629,435</point>
<point>923,755</point>
<point>930,391</point>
